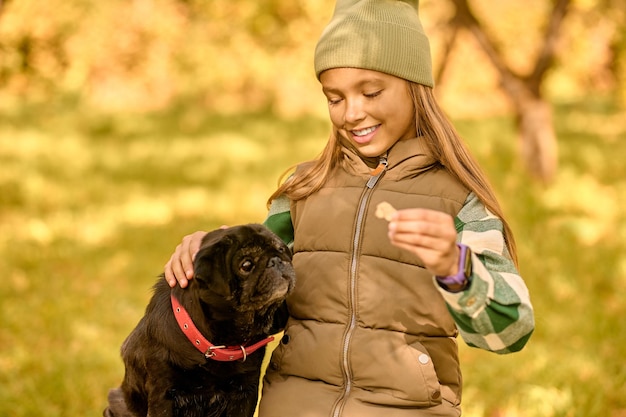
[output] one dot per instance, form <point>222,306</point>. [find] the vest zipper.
<point>377,173</point>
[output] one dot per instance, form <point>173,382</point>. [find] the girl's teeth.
<point>364,131</point>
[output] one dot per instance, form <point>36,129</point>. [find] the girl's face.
<point>373,110</point>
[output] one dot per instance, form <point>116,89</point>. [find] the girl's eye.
<point>374,94</point>
<point>333,101</point>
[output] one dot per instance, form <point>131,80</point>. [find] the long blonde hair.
<point>441,138</point>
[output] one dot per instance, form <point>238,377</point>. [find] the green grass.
<point>92,205</point>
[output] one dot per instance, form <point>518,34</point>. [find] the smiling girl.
<point>378,305</point>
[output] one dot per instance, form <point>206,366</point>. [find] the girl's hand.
<point>430,235</point>
<point>179,269</point>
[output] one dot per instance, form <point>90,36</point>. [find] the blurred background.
<point>126,124</point>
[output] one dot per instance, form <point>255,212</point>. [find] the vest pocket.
<point>426,372</point>
<point>395,373</point>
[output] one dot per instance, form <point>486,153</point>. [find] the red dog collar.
<point>209,350</point>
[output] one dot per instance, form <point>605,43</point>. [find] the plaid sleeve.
<point>494,312</point>
<point>279,219</point>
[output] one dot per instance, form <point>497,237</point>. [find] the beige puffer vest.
<point>367,325</point>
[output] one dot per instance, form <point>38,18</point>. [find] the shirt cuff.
<point>474,298</point>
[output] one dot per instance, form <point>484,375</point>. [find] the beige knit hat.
<point>379,35</point>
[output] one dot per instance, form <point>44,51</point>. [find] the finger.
<point>169,274</point>
<point>192,244</point>
<point>421,240</point>
<point>177,271</point>
<point>436,236</point>
<point>424,221</point>
<point>423,214</point>
<point>186,253</point>
<point>415,226</point>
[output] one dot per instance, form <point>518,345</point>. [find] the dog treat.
<point>385,211</point>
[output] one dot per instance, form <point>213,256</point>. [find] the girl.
<point>377,306</point>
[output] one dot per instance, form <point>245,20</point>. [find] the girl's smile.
<point>364,136</point>
<point>371,109</point>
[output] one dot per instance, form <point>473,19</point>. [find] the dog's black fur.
<point>242,276</point>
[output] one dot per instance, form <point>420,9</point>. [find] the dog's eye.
<point>246,266</point>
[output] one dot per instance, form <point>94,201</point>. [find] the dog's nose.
<point>275,262</point>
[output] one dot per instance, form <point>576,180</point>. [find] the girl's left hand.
<point>430,235</point>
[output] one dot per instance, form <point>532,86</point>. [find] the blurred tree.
<point>227,56</point>
<point>611,14</point>
<point>533,112</point>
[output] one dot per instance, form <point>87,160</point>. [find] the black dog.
<point>198,351</point>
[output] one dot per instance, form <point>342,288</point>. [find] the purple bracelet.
<point>462,277</point>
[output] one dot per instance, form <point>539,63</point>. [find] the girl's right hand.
<point>179,269</point>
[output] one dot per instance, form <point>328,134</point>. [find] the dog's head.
<point>243,268</point>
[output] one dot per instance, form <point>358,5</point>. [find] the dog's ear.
<point>211,266</point>
<point>214,236</point>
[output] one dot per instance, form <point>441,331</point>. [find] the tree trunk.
<point>538,143</point>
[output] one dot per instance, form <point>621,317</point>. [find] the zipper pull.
<point>377,172</point>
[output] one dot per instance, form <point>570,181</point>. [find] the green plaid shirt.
<point>494,313</point>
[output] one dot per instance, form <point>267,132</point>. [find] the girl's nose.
<point>354,111</point>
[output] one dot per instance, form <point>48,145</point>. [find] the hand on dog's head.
<point>242,270</point>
